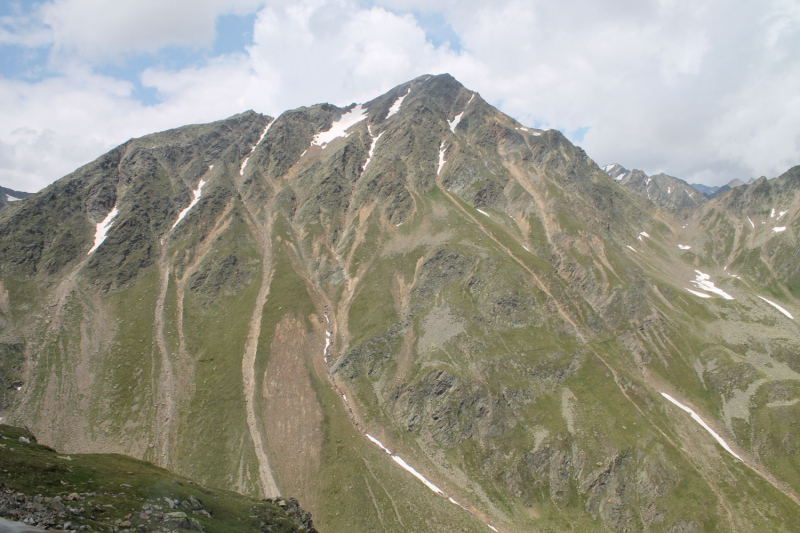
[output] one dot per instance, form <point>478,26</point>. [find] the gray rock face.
<point>179,520</point>
<point>664,191</point>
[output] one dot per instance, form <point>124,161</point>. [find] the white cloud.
<point>102,30</point>
<point>701,90</point>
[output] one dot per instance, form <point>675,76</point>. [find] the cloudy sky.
<point>700,89</point>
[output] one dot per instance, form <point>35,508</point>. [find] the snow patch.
<point>700,294</point>
<point>700,421</point>
<point>210,167</point>
<point>684,247</point>
<point>304,153</point>
<point>11,198</point>
<point>102,229</point>
<point>253,149</point>
<point>457,118</point>
<point>196,194</point>
<point>372,150</point>
<point>483,212</point>
<point>644,234</point>
<point>779,229</point>
<point>339,128</point>
<point>492,527</point>
<point>780,215</point>
<point>416,474</point>
<point>703,281</point>
<point>441,158</point>
<point>455,122</point>
<point>631,247</point>
<point>378,443</point>
<point>407,467</point>
<point>669,190</point>
<point>397,103</point>
<point>772,214</point>
<point>751,223</point>
<point>778,307</point>
<point>523,129</point>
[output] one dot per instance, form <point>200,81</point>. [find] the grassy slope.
<point>123,485</point>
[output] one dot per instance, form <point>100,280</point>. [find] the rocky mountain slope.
<point>661,189</point>
<point>273,304</point>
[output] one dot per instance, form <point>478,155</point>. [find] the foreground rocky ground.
<point>40,489</point>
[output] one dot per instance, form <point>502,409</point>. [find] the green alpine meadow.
<point>412,314</point>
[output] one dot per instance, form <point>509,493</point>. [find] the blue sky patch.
<point>234,33</point>
<point>577,135</point>
<point>438,31</point>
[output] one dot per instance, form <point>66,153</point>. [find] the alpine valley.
<point>415,314</point>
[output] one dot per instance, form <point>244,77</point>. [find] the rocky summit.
<point>415,314</point>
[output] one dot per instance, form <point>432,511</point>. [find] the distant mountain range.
<point>620,173</point>
<point>413,313</point>
<point>8,195</point>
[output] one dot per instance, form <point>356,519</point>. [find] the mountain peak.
<point>413,313</point>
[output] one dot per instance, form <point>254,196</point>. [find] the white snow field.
<point>751,223</point>
<point>631,247</point>
<point>372,149</point>
<point>700,421</point>
<point>441,159</point>
<point>700,294</point>
<point>11,198</point>
<point>397,103</point>
<point>484,213</point>
<point>197,193</point>
<point>102,229</point>
<point>253,149</point>
<point>779,229</point>
<point>340,127</point>
<point>457,118</point>
<point>703,281</point>
<point>684,247</point>
<point>778,307</point>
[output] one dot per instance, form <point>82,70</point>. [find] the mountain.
<point>728,186</point>
<point>618,172</point>
<point>708,190</point>
<point>9,195</point>
<point>661,189</point>
<point>270,305</point>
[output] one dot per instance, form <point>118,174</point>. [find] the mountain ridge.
<point>477,296</point>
